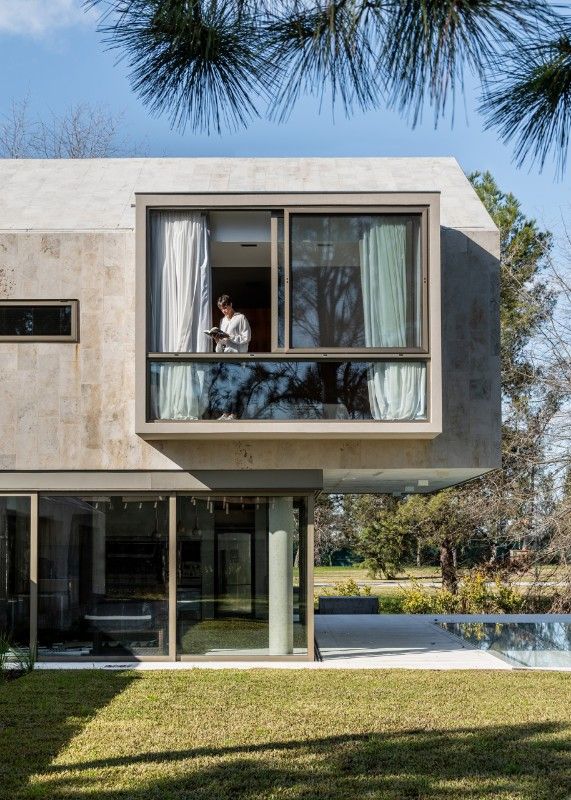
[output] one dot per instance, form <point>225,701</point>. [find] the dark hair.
<point>224,300</point>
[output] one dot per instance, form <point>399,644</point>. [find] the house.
<point>156,495</point>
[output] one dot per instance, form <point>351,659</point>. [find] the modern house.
<point>137,519</point>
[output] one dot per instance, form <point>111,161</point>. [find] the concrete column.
<point>207,556</point>
<point>280,551</point>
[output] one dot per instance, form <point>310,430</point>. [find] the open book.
<point>215,331</point>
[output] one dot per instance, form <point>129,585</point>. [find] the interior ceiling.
<point>238,254</point>
<point>395,481</point>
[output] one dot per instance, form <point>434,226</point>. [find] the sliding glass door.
<point>241,576</point>
<point>102,576</point>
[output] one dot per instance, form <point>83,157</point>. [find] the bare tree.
<point>83,131</point>
<point>15,131</point>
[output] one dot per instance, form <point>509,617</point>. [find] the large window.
<point>125,576</point>
<point>15,569</point>
<point>241,576</point>
<point>335,304</point>
<point>103,576</point>
<point>39,320</point>
<point>356,281</point>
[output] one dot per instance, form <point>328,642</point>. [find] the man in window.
<point>236,340</point>
<point>235,326</point>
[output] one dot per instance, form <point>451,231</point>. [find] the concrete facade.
<point>67,231</point>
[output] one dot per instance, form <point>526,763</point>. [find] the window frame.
<point>422,213</point>
<point>72,337</point>
<point>426,202</point>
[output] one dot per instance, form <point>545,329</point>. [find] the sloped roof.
<point>95,194</point>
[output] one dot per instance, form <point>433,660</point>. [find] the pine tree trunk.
<point>447,566</point>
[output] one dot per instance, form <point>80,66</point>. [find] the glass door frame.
<point>33,566</point>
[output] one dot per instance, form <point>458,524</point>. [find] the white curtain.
<point>180,310</point>
<point>396,390</point>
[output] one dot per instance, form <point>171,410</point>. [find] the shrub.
<point>475,596</point>
<point>391,603</point>
<point>348,588</point>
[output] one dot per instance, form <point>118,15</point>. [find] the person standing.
<point>235,326</point>
<point>237,337</point>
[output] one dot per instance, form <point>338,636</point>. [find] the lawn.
<point>267,734</point>
<point>335,574</point>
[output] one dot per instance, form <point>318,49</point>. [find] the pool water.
<point>527,644</point>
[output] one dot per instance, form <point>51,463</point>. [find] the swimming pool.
<point>524,644</point>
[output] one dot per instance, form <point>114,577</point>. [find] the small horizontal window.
<point>41,320</point>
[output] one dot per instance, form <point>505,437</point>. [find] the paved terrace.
<point>360,641</point>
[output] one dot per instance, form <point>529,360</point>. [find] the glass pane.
<point>15,569</point>
<point>281,284</point>
<point>102,576</point>
<point>355,280</point>
<point>238,576</point>
<point>29,320</point>
<point>288,389</point>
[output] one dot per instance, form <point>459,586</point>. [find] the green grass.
<point>268,735</point>
<point>336,574</point>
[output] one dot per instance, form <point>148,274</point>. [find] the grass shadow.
<point>42,712</point>
<point>512,761</point>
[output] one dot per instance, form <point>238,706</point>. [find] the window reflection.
<point>355,280</point>
<point>288,389</point>
<point>102,576</point>
<point>15,569</point>
<point>228,599</point>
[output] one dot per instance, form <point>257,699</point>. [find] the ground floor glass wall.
<point>241,567</point>
<point>102,576</point>
<point>15,570</point>
<point>148,576</point>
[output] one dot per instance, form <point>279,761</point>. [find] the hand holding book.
<point>216,333</point>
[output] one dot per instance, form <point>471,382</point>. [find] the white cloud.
<point>36,18</point>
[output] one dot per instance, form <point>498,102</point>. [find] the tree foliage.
<point>502,509</point>
<point>211,64</point>
<point>385,541</point>
<point>526,301</point>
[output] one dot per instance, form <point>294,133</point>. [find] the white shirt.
<point>238,329</point>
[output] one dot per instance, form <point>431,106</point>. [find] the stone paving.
<point>384,641</point>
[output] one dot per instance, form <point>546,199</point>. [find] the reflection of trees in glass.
<point>327,302</point>
<point>335,258</point>
<point>288,390</point>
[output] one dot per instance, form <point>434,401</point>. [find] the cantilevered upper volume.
<point>369,288</point>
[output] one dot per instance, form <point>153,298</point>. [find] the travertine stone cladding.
<point>71,406</point>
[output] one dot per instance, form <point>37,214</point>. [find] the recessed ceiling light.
<point>409,488</point>
<point>423,483</point>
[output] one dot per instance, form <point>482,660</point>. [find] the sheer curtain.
<point>180,310</point>
<point>396,390</point>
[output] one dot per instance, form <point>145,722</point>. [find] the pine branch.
<point>532,104</point>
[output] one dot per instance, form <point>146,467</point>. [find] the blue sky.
<point>51,53</point>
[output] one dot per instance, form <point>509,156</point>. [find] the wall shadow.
<point>511,761</point>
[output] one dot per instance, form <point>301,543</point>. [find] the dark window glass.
<point>15,569</point>
<point>355,281</point>
<point>102,576</point>
<point>281,284</point>
<point>289,389</point>
<point>29,320</point>
<point>241,584</point>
